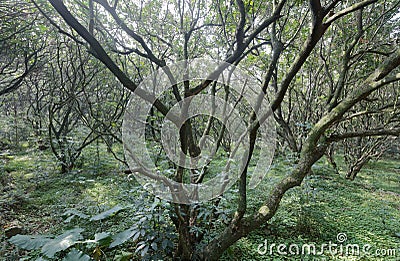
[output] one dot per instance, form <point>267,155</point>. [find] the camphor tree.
<point>61,110</point>
<point>322,65</point>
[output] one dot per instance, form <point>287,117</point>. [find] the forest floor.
<point>327,209</point>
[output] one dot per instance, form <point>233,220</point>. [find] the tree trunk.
<point>185,248</point>
<point>356,168</point>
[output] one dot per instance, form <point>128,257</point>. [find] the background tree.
<point>20,47</point>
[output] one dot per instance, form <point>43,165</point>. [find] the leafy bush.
<point>148,228</point>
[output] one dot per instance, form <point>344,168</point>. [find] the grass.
<point>367,210</point>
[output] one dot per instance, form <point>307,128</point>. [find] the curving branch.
<point>348,10</point>
<point>364,133</point>
<point>14,84</point>
<point>239,50</point>
<point>100,53</point>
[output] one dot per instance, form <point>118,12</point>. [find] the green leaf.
<point>74,212</point>
<point>69,219</point>
<point>76,255</point>
<point>29,242</point>
<point>42,28</point>
<point>124,256</point>
<point>144,251</point>
<point>62,242</point>
<point>100,236</point>
<point>154,246</point>
<point>124,236</point>
<point>107,213</point>
<point>103,238</point>
<point>164,243</point>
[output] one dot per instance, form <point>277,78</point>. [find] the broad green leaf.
<point>124,236</point>
<point>100,236</point>
<point>29,242</point>
<point>103,238</point>
<point>62,242</point>
<point>107,213</point>
<point>76,255</point>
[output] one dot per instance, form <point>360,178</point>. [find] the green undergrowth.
<point>366,210</point>
<point>36,197</point>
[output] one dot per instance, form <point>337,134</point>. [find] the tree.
<point>274,37</point>
<point>19,45</point>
